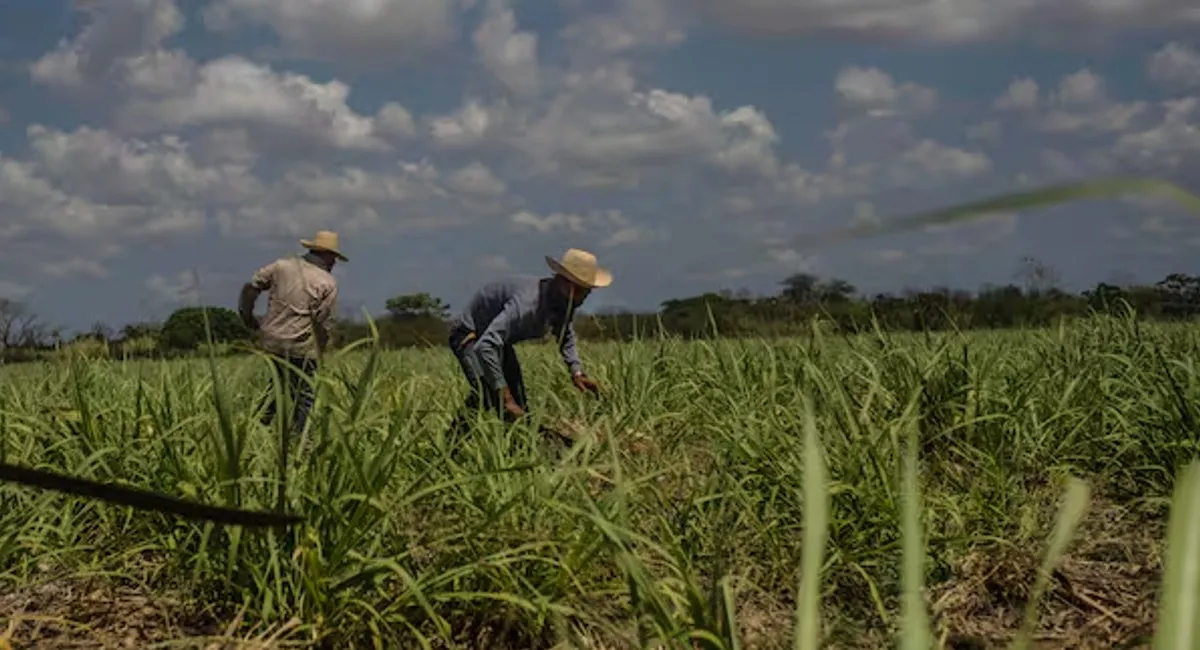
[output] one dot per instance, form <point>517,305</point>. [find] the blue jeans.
<point>291,372</point>
<point>479,393</point>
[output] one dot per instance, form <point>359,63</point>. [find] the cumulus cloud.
<point>109,47</point>
<point>1171,143</point>
<point>610,228</point>
<point>634,25</point>
<point>873,92</point>
<point>511,56</point>
<point>363,34</point>
<point>285,109</point>
<point>547,127</point>
<point>180,288</point>
<point>963,21</point>
<point>1175,66</point>
<point>1081,102</point>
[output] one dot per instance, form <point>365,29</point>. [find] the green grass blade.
<point>1178,622</point>
<point>1038,198</point>
<point>915,629</point>
<point>1070,513</point>
<point>816,529</point>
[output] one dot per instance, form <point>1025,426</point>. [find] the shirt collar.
<point>316,261</point>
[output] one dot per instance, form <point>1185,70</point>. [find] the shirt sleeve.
<point>327,307</point>
<point>264,277</point>
<point>570,354</point>
<point>493,339</point>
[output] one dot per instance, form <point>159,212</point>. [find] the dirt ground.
<point>1103,596</point>
<point>96,614</point>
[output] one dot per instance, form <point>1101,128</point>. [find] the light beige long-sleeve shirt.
<point>299,293</point>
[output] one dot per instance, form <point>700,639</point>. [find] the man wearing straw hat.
<point>297,328</point>
<point>507,312</point>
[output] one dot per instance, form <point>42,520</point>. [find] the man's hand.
<point>512,410</point>
<point>582,382</point>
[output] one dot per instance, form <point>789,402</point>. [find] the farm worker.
<point>509,311</point>
<point>297,328</point>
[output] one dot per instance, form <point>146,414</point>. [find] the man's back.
<point>299,293</point>
<point>489,301</point>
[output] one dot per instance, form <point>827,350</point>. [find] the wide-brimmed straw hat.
<point>580,267</point>
<point>325,240</point>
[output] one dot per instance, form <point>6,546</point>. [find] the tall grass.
<point>808,493</point>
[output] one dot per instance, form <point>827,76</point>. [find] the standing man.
<point>507,312</point>
<point>297,328</point>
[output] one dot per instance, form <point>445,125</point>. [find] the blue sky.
<point>689,143</point>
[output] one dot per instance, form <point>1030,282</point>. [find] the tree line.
<point>420,319</point>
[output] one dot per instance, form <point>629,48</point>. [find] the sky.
<point>155,153</point>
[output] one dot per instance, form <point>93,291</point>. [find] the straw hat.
<point>580,267</point>
<point>324,241</point>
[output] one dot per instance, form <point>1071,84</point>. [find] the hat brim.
<point>312,246</point>
<point>603,276</point>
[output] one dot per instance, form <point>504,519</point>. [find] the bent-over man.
<point>302,297</point>
<point>507,312</point>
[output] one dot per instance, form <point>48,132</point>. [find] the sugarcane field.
<point>599,325</point>
<point>682,508</point>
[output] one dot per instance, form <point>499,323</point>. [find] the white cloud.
<point>601,131</point>
<point>476,179</point>
<point>1169,144</point>
<point>180,288</point>
<point>1022,94</point>
<point>511,56</point>
<point>872,92</point>
<point>118,32</point>
<point>633,25</point>
<point>962,21</point>
<point>286,109</point>
<point>612,227</point>
<point>471,125</point>
<point>395,120</point>
<point>529,221</point>
<point>364,34</point>
<point>1175,66</point>
<point>1080,103</point>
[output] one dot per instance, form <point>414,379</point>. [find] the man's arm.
<point>570,353</point>
<point>491,341</point>
<point>259,282</point>
<point>324,318</point>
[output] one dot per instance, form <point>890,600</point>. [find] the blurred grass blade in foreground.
<point>915,630</point>
<point>1180,601</point>
<point>140,499</point>
<point>1044,197</point>
<point>1074,506</point>
<point>816,530</point>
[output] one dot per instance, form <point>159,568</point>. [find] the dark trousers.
<point>290,373</point>
<point>480,394</point>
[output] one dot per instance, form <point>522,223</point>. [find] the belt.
<point>467,338</point>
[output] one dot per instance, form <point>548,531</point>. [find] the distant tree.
<point>1105,298</point>
<point>19,326</point>
<point>417,305</point>
<point>100,331</point>
<point>835,290</point>
<point>801,288</point>
<point>184,329</point>
<point>139,330</point>
<point>1037,276</point>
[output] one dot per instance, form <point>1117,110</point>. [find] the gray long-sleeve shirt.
<point>510,311</point>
